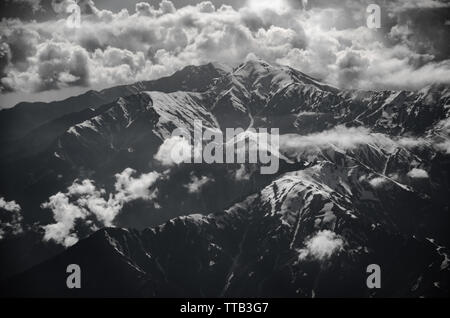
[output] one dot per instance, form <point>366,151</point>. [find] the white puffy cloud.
<point>10,206</point>
<point>10,218</point>
<point>129,188</point>
<point>145,9</point>
<point>176,150</point>
<point>417,173</point>
<point>328,40</point>
<point>322,246</point>
<point>65,214</point>
<point>340,136</point>
<point>84,208</point>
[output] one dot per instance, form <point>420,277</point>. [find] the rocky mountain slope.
<point>363,180</point>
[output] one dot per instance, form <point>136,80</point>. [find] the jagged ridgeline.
<point>364,180</point>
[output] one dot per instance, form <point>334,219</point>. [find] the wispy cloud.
<point>345,138</point>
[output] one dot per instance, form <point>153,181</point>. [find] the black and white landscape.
<point>86,175</point>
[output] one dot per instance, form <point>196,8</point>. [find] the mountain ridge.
<point>364,183</point>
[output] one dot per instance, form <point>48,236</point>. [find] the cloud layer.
<point>345,138</point>
<point>328,40</point>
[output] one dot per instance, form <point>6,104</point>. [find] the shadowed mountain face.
<point>363,180</point>
<point>22,119</point>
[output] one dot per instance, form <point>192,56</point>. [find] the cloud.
<point>178,149</point>
<point>417,173</point>
<point>174,150</point>
<point>10,218</point>
<point>342,137</point>
<point>196,184</point>
<point>443,146</point>
<point>349,138</point>
<point>65,214</point>
<point>328,40</point>
<point>322,246</point>
<point>10,206</point>
<point>83,208</point>
<point>378,182</point>
<point>206,7</point>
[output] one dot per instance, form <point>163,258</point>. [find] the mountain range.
<point>364,180</point>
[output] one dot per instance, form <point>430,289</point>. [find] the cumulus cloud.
<point>328,40</point>
<point>174,150</point>
<point>196,184</point>
<point>10,218</point>
<point>145,9</point>
<point>10,206</point>
<point>417,173</point>
<point>322,246</point>
<point>84,208</point>
<point>129,188</point>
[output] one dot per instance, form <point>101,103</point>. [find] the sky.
<point>44,58</point>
